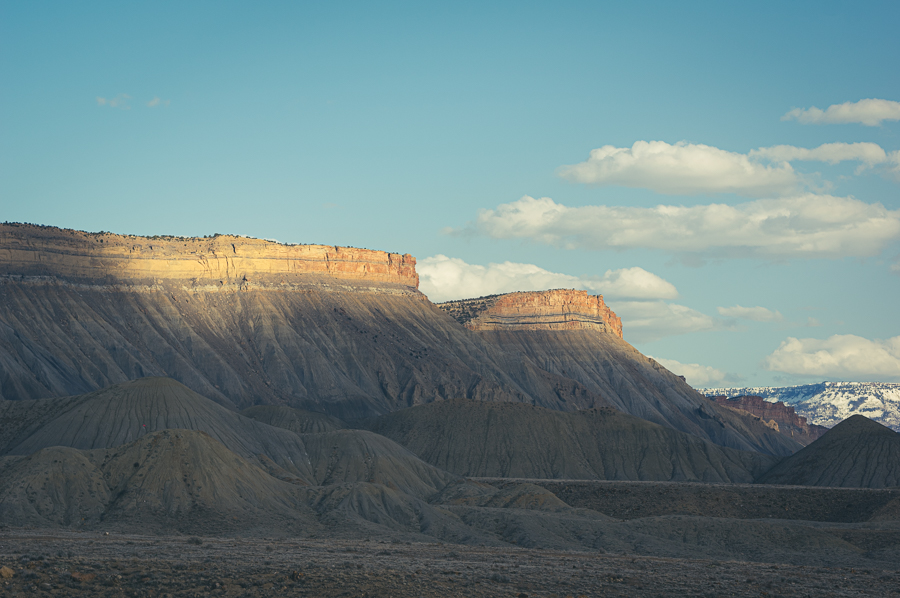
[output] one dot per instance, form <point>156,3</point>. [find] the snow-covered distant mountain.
<point>828,403</point>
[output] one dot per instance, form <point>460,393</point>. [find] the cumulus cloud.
<point>757,314</point>
<point>698,376</point>
<point>870,112</point>
<point>804,226</point>
<point>444,278</point>
<point>120,101</point>
<point>683,168</point>
<point>647,321</point>
<point>845,356</point>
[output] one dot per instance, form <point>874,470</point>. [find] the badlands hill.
<point>509,440</point>
<point>334,330</point>
<point>856,453</point>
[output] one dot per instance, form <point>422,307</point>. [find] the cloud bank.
<point>805,226</point>
<point>683,168</point>
<point>443,278</point>
<point>870,112</point>
<point>869,154</point>
<point>844,356</point>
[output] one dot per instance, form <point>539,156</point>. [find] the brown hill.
<point>512,440</point>
<point>573,334</point>
<point>856,453</point>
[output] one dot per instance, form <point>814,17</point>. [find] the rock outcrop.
<point>778,415</point>
<point>210,263</point>
<point>560,309</point>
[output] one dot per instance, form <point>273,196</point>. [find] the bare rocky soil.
<point>49,564</point>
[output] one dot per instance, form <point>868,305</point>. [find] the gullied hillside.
<point>573,334</point>
<point>856,453</point>
<point>522,441</point>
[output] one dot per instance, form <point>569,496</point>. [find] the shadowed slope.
<point>125,412</point>
<point>521,441</point>
<point>362,456</point>
<point>638,385</point>
<point>172,480</point>
<point>857,452</point>
<point>349,351</point>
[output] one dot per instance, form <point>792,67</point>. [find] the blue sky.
<point>464,136</point>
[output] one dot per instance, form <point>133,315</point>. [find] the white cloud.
<point>757,314</point>
<point>647,321</point>
<point>870,112</point>
<point>156,102</point>
<point>443,278</point>
<point>844,356</point>
<point>698,376</point>
<point>683,168</point>
<point>869,154</point>
<point>120,101</point>
<point>805,226</point>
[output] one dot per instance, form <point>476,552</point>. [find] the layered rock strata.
<point>560,309</point>
<point>778,415</point>
<point>221,261</point>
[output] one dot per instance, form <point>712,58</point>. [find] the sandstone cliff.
<point>221,261</point>
<point>560,309</point>
<point>778,415</point>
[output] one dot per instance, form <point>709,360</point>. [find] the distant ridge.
<point>828,403</point>
<point>856,453</point>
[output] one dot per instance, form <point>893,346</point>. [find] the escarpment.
<point>333,330</point>
<point>244,322</point>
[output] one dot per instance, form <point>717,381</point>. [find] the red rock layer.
<point>560,309</point>
<point>223,259</point>
<point>783,415</point>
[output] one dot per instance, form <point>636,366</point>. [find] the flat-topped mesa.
<point>37,252</point>
<point>559,309</point>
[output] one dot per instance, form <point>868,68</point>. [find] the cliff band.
<point>219,261</point>
<point>561,309</point>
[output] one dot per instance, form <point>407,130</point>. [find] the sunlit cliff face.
<point>224,259</point>
<point>561,309</point>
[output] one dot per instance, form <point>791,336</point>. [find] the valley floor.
<point>64,563</point>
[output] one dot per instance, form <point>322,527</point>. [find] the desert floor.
<point>54,563</point>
